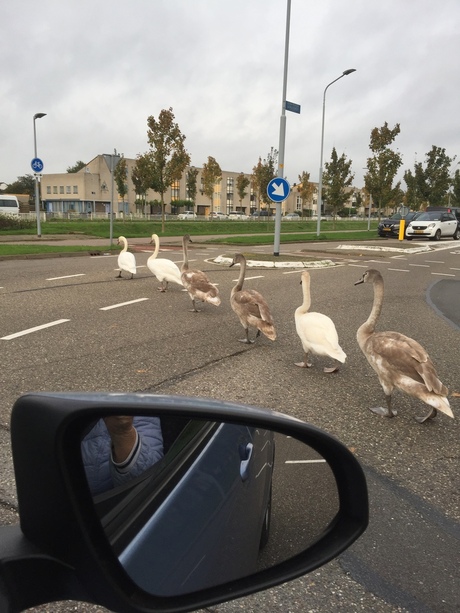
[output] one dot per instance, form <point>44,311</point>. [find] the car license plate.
<point>418,231</point>
<point>387,229</point>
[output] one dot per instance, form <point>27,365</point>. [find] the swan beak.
<point>232,264</point>
<point>360,281</point>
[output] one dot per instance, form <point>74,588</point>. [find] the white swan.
<point>126,259</point>
<point>164,270</point>
<point>196,282</point>
<point>316,331</point>
<point>398,360</point>
<point>250,306</point>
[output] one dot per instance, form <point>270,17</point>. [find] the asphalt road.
<point>123,335</point>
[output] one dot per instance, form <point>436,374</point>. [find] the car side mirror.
<point>238,500</point>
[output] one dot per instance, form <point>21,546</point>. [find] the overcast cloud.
<point>99,69</point>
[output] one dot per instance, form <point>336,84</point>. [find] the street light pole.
<point>320,181</point>
<point>37,194</point>
<point>282,140</point>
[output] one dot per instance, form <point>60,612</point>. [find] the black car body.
<point>390,226</point>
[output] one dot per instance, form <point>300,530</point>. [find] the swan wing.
<point>127,261</point>
<point>252,303</point>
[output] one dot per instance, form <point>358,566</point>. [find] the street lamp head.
<point>349,71</point>
<point>39,115</point>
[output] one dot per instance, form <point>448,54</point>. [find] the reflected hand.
<point>123,435</point>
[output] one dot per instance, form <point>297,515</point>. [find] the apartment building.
<point>92,191</point>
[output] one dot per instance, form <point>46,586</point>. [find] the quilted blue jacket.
<point>102,473</point>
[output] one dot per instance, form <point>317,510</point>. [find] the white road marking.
<point>35,329</point>
<point>358,265</point>
<point>81,274</point>
<point>434,262</point>
<point>121,304</point>
<point>420,265</point>
<point>292,272</point>
<point>304,461</point>
<point>454,268</point>
<point>398,270</point>
<point>442,274</point>
<point>249,278</point>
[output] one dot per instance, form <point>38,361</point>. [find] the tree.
<point>190,184</point>
<point>454,196</point>
<point>211,174</point>
<point>23,185</point>
<point>430,184</point>
<point>141,177</point>
<point>242,182</point>
<point>76,167</point>
<point>263,173</point>
<point>382,167</point>
<point>120,175</point>
<point>337,177</point>
<point>168,156</point>
<point>305,188</point>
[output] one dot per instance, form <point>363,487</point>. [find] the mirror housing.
<point>58,519</point>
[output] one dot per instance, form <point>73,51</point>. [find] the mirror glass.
<point>190,504</point>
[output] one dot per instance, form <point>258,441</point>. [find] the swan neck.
<point>239,285</point>
<point>185,249</point>
<point>376,306</point>
<point>306,295</point>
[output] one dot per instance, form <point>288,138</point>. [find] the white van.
<point>9,205</point>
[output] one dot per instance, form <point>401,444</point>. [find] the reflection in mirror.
<point>189,504</point>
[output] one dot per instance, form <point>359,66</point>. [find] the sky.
<point>100,68</point>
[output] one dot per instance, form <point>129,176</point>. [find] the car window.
<point>430,216</point>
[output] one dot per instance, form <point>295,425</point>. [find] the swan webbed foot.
<point>303,364</point>
<point>383,411</point>
<point>331,369</point>
<point>430,415</point>
<point>162,289</point>
<point>246,341</point>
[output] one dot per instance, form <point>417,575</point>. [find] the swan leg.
<point>164,286</point>
<point>132,275</point>
<point>194,310</point>
<point>385,412</point>
<point>305,363</point>
<point>246,340</point>
<point>430,415</point>
<point>119,275</point>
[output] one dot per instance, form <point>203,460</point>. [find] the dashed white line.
<point>420,265</point>
<point>121,304</point>
<point>399,269</point>
<point>305,461</point>
<point>454,268</point>
<point>35,329</point>
<point>293,272</point>
<point>248,278</point>
<point>434,262</point>
<point>442,274</point>
<point>81,274</point>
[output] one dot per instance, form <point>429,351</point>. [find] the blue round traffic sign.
<point>278,189</point>
<point>37,165</point>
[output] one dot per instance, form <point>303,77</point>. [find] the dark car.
<point>211,493</point>
<point>390,226</point>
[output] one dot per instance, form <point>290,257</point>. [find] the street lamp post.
<point>37,194</point>
<point>320,182</point>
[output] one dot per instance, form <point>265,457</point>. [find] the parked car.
<point>434,225</point>
<point>218,215</point>
<point>261,213</point>
<point>237,215</point>
<point>390,226</point>
<point>140,547</point>
<point>187,215</point>
<point>291,217</point>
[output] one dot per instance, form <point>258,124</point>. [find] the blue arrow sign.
<point>278,189</point>
<point>37,165</point>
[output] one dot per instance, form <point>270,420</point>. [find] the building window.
<point>48,189</point>
<point>54,189</point>
<point>175,191</point>
<point>298,203</point>
<point>61,189</point>
<point>75,189</point>
<point>67,189</point>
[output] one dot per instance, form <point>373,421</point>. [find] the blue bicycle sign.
<point>37,165</point>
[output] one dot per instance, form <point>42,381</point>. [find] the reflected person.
<point>119,448</point>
